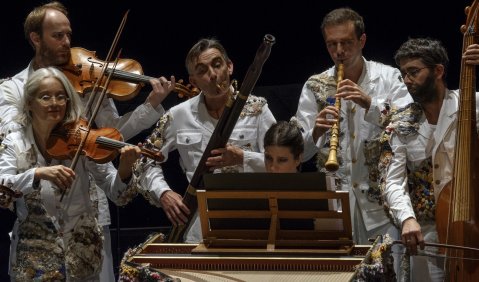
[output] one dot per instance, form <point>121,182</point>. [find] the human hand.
<point>128,156</point>
<point>350,91</point>
<point>412,236</point>
<point>61,176</point>
<point>324,121</point>
<point>471,55</point>
<point>161,87</point>
<point>229,156</point>
<point>176,211</point>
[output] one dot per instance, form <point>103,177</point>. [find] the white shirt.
<point>188,127</point>
<point>129,125</point>
<point>357,126</point>
<point>410,151</point>
<point>40,205</point>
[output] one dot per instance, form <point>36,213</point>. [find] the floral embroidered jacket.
<point>130,124</point>
<point>417,159</point>
<point>188,127</point>
<point>53,240</point>
<point>359,131</point>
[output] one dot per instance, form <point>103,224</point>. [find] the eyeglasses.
<point>47,100</point>
<point>410,74</point>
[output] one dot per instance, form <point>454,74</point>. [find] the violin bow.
<point>439,245</point>
<point>102,95</point>
<point>107,60</point>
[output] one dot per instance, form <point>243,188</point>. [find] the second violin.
<point>101,145</point>
<point>85,68</point>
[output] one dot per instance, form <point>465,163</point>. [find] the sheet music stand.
<point>266,212</point>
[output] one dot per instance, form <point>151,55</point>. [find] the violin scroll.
<point>185,91</point>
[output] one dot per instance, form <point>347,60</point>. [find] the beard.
<point>51,57</point>
<point>424,93</point>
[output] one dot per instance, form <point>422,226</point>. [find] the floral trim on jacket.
<point>157,138</point>
<point>422,191</point>
<point>41,254</point>
<point>378,263</point>
<point>154,142</point>
<point>253,106</point>
<point>372,152</point>
<point>133,272</point>
<point>405,122</point>
<point>40,251</point>
<point>6,200</point>
<point>324,88</point>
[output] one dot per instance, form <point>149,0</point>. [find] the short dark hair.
<point>201,46</point>
<point>286,134</point>
<point>343,15</point>
<point>430,51</point>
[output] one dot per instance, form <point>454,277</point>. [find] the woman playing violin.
<point>53,239</point>
<point>48,30</point>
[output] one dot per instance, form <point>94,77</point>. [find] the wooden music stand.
<point>272,213</point>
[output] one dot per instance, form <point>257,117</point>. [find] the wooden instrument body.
<point>457,204</point>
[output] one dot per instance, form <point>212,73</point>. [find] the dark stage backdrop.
<point>158,34</point>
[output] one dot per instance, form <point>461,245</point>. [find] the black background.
<point>158,34</point>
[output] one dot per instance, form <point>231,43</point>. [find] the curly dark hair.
<point>430,51</point>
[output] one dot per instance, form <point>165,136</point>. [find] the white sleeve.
<point>394,95</point>
<point>306,115</point>
<point>396,192</point>
<point>254,161</point>
<point>9,108</point>
<point>131,123</point>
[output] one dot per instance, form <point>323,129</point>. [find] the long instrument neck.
<point>129,77</point>
<point>462,201</point>
<point>457,223</point>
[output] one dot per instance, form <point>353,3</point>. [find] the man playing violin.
<point>47,29</point>
<point>188,128</point>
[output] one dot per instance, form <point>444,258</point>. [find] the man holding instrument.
<point>188,128</point>
<point>47,29</point>
<point>367,92</point>
<point>420,135</point>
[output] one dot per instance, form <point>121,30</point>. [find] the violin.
<point>84,69</point>
<point>101,145</point>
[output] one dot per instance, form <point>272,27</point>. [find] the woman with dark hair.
<point>283,147</point>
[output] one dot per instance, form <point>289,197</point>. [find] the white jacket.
<point>411,150</point>
<point>129,125</point>
<point>357,126</point>
<point>188,127</point>
<point>45,226</point>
